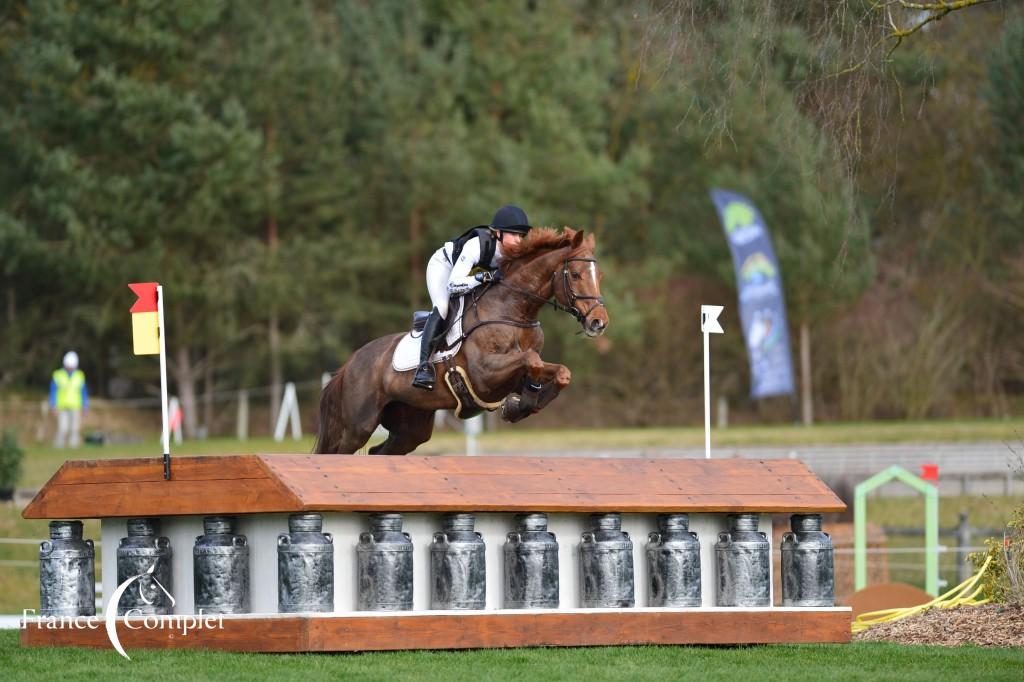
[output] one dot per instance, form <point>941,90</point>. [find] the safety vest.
<point>487,245</point>
<point>69,389</point>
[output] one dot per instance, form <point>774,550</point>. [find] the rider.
<point>448,274</point>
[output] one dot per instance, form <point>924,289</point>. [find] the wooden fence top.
<point>246,484</point>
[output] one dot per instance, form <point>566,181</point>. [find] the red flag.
<point>146,291</point>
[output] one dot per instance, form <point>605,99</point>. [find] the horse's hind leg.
<point>408,428</point>
<point>361,418</point>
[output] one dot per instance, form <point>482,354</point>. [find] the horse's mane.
<point>545,239</point>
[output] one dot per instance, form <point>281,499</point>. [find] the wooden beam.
<point>289,483</point>
<point>285,633</point>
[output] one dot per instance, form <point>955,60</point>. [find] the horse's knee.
<point>533,360</point>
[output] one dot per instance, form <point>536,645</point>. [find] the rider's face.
<point>511,238</point>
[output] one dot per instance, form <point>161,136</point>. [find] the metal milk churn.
<point>220,565</point>
<point>144,554</point>
<point>458,575</point>
<point>743,563</point>
<point>531,564</point>
<point>384,566</point>
<point>305,566</point>
<point>67,574</point>
<point>606,564</point>
<point>673,563</point>
<point>808,576</point>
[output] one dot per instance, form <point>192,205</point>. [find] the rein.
<point>569,293</point>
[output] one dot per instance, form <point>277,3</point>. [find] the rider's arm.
<point>460,281</point>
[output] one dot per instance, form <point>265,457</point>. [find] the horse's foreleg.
<point>500,368</point>
<point>551,377</point>
<point>548,393</point>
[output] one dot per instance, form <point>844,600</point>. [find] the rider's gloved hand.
<point>486,276</point>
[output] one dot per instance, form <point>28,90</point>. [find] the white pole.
<point>163,380</point>
<point>708,325</point>
<point>707,399</point>
<point>473,427</point>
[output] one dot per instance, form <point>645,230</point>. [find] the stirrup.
<point>425,376</point>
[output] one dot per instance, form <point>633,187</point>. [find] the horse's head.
<point>560,265</point>
<point>577,285</point>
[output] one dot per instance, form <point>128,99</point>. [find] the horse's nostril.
<point>596,325</point>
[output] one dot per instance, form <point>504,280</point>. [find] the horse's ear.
<point>577,239</point>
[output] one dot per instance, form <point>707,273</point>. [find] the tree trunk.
<point>806,394</point>
<point>276,379</point>
<point>415,265</point>
<point>208,396</point>
<point>273,323</point>
<point>185,377</point>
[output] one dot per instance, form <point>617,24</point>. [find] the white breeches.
<point>439,271</point>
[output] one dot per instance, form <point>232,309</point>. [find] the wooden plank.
<point>198,485</point>
<point>152,469</point>
<point>598,485</point>
<point>569,502</point>
<point>265,635</point>
<point>476,631</point>
<point>289,483</point>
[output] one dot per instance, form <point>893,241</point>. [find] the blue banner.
<point>762,306</point>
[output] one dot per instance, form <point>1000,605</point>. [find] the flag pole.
<point>709,324</point>
<point>163,381</point>
<point>707,396</point>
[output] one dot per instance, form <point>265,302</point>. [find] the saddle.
<point>407,353</point>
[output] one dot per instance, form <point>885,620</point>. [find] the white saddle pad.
<point>407,353</point>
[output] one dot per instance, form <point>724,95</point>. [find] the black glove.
<point>488,276</point>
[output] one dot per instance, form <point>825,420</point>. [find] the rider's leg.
<point>425,376</point>
<point>438,272</point>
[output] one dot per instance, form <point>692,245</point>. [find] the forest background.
<point>285,169</point>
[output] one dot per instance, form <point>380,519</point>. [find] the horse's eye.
<point>577,275</point>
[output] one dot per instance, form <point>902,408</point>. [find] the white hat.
<point>71,360</point>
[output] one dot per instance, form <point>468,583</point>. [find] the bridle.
<point>570,294</point>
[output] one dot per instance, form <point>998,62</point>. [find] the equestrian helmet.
<point>511,219</point>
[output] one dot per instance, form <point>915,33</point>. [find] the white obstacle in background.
<point>289,413</point>
<point>473,428</point>
<point>242,426</point>
<point>708,325</point>
<point>175,419</point>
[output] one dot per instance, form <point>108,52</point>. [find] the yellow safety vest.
<point>69,389</point>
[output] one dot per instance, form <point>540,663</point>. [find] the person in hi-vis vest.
<point>69,397</point>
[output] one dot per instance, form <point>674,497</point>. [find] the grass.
<point>42,461</point>
<point>861,661</point>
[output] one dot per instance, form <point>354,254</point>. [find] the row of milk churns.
<point>384,557</point>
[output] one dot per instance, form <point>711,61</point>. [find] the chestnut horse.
<point>500,351</point>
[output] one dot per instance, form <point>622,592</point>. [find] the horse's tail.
<point>331,423</point>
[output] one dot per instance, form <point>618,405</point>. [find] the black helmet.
<point>511,219</point>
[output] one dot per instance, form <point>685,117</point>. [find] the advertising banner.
<point>762,306</point>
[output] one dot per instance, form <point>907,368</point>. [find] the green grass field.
<point>42,461</point>
<point>862,661</point>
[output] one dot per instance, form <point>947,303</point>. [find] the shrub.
<point>10,459</point>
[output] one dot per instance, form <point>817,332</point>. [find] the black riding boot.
<point>425,375</point>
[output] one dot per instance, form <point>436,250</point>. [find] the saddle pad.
<point>407,352</point>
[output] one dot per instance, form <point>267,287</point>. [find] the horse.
<point>499,358</point>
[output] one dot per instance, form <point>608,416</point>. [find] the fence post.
<point>963,541</point>
<point>242,426</point>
